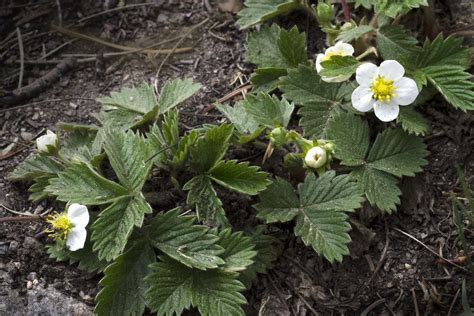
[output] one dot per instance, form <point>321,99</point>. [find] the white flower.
<point>340,49</point>
<point>50,139</point>
<point>70,226</point>
<point>316,157</point>
<point>383,88</point>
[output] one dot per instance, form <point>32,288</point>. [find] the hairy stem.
<point>346,11</point>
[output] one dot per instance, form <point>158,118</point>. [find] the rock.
<point>13,245</point>
<point>31,243</point>
<point>26,136</point>
<point>32,276</point>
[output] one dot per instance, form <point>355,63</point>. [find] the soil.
<point>301,283</point>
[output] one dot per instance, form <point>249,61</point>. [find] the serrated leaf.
<point>176,91</point>
<point>269,111</point>
<point>78,145</point>
<point>190,244</point>
<point>37,189</point>
<point>114,225</point>
<point>350,134</point>
<point>258,11</point>
<point>239,177</point>
<point>266,79</point>
<point>339,66</point>
<point>35,166</point>
<point>122,119</point>
<point>173,287</point>
<point>397,153</point>
<point>238,116</point>
<point>239,250</point>
<point>210,148</point>
<point>412,121</point>
<point>354,33</point>
<point>141,99</point>
<point>123,282</point>
<point>393,42</point>
<point>393,8</point>
<point>204,198</point>
<point>320,101</point>
<point>444,52</point>
<point>81,184</point>
<point>128,155</point>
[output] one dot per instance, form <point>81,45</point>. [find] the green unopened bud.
<point>324,13</point>
<point>278,136</point>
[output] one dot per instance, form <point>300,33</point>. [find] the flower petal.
<point>76,238</point>
<point>319,59</point>
<point>366,73</point>
<point>406,91</point>
<point>78,215</point>
<point>386,112</point>
<point>49,139</point>
<point>391,70</point>
<point>344,48</point>
<point>362,99</point>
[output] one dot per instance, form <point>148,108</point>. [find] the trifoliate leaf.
<point>266,79</point>
<point>269,111</point>
<point>354,33</point>
<point>114,225</point>
<point>320,218</point>
<point>392,8</point>
<point>350,134</point>
<point>128,155</point>
<point>190,244</point>
<point>393,42</point>
<point>339,66</point>
<point>176,91</point>
<point>173,288</point>
<point>80,183</point>
<point>123,282</point>
<point>397,153</point>
<point>210,148</point>
<point>238,116</point>
<point>320,101</point>
<point>444,52</point>
<point>204,198</point>
<point>239,250</point>
<point>36,166</point>
<point>239,177</point>
<point>140,100</point>
<point>380,188</point>
<point>258,11</point>
<point>412,121</point>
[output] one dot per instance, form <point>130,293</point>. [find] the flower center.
<point>383,89</point>
<point>60,226</point>
<point>328,56</point>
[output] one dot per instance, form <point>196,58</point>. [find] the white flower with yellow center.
<point>46,142</point>
<point>316,157</point>
<point>70,226</point>
<point>383,89</point>
<point>340,49</point>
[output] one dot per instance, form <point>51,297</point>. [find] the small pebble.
<point>29,285</point>
<point>408,266</point>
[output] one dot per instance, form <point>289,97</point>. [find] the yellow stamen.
<point>60,226</point>
<point>383,89</point>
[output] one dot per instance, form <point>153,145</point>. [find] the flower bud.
<point>48,143</point>
<point>316,157</point>
<point>278,136</point>
<point>324,13</point>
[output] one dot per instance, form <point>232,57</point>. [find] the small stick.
<point>22,57</point>
<point>450,312</point>
<point>382,257</point>
<point>31,218</point>
<point>373,306</point>
<point>345,9</point>
<point>60,14</point>
<point>42,102</point>
<point>131,6</point>
<point>56,49</point>
<point>242,88</point>
<point>15,212</point>
<point>415,302</point>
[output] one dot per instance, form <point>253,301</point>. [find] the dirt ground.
<point>388,273</point>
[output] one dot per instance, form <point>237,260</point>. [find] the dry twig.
<point>22,57</point>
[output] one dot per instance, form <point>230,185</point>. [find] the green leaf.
<point>123,283</point>
<point>110,232</point>
<point>350,134</point>
<point>444,52</point>
<point>37,189</point>
<point>176,91</point>
<point>139,100</point>
<point>128,155</point>
<point>238,116</point>
<point>269,111</point>
<point>320,101</point>
<point>397,153</point>
<point>210,148</point>
<point>78,146</point>
<point>413,121</point>
<point>204,198</point>
<point>258,11</point>
<point>239,250</point>
<point>36,166</point>
<point>339,66</point>
<point>239,177</point>
<point>393,8</point>
<point>278,203</point>
<point>122,119</point>
<point>266,79</point>
<point>190,244</point>
<point>393,42</point>
<point>354,33</point>
<point>80,183</point>
<point>320,211</point>
<point>380,188</point>
<point>273,47</point>
<point>173,287</point>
